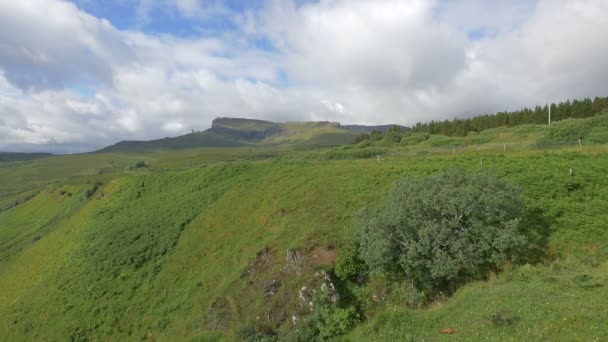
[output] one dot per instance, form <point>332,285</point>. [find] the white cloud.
<point>173,127</point>
<point>70,81</point>
<point>48,43</point>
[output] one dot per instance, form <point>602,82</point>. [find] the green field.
<point>231,132</point>
<point>182,244</point>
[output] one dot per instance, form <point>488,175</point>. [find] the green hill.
<point>13,156</point>
<point>218,243</point>
<point>235,132</point>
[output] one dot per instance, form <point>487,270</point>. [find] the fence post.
<point>504,147</point>
<point>378,159</point>
<point>580,146</point>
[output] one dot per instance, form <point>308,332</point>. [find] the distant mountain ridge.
<point>236,132</point>
<point>21,156</point>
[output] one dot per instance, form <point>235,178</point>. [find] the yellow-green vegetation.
<point>216,244</point>
<point>234,132</point>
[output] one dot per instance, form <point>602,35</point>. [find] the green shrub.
<point>256,333</point>
<point>393,135</point>
<point>442,140</point>
<point>494,131</point>
<point>524,130</point>
<point>364,144</point>
<point>442,230</point>
<point>333,321</point>
<point>476,138</point>
<point>93,189</point>
<point>572,129</point>
<point>338,154</point>
<point>405,293</point>
<point>348,264</point>
<point>598,135</point>
<point>415,138</point>
<point>326,321</point>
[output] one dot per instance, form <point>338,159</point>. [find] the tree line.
<point>538,115</point>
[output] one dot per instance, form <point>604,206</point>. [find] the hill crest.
<point>236,132</point>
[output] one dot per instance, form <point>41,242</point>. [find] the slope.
<point>167,254</point>
<point>234,132</point>
<point>14,156</point>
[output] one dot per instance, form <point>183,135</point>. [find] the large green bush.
<point>442,230</point>
<point>333,321</point>
<point>572,129</point>
<point>413,138</point>
<point>598,135</point>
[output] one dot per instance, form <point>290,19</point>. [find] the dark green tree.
<point>443,230</point>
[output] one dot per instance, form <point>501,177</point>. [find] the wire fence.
<point>421,150</point>
<point>497,147</point>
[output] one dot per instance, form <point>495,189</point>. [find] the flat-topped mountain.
<point>235,132</point>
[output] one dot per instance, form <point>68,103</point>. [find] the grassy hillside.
<point>10,156</point>
<point>190,246</point>
<point>234,132</point>
<point>199,139</point>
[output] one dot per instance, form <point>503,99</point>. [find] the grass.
<point>164,253</point>
<point>231,132</point>
<point>20,227</point>
<point>527,303</point>
<point>12,157</point>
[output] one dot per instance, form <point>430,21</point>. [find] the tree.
<point>442,230</point>
<point>563,110</point>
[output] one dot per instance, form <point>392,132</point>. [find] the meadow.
<point>103,247</point>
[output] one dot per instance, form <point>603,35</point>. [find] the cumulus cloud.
<point>70,81</point>
<point>46,44</point>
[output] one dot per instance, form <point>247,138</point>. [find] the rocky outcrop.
<point>302,265</point>
<point>322,283</point>
<point>294,261</point>
<point>271,288</point>
<point>219,314</point>
<point>261,263</point>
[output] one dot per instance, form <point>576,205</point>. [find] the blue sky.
<point>82,74</point>
<point>158,17</point>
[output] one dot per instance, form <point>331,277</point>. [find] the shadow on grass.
<point>536,226</point>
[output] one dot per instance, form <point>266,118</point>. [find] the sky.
<point>82,74</point>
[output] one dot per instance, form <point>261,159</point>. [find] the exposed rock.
<point>219,314</point>
<point>294,320</point>
<point>259,264</point>
<point>321,282</point>
<point>271,288</point>
<point>305,298</point>
<point>294,260</point>
<point>327,286</point>
<point>378,299</point>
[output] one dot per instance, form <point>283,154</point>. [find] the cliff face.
<point>244,129</point>
<point>235,132</point>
